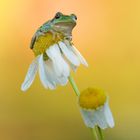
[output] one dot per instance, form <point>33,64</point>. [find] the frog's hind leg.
<point>35,37</point>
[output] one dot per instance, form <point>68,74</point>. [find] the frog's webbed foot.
<point>68,42</point>
<point>69,38</point>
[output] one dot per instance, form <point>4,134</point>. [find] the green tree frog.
<point>52,31</point>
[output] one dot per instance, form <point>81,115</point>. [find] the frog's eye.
<point>58,15</point>
<point>74,16</point>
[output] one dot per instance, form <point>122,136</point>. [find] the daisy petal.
<point>108,116</point>
<point>62,80</point>
<point>100,119</point>
<point>50,74</point>
<point>30,74</point>
<point>44,76</point>
<point>69,54</point>
<point>81,58</point>
<point>57,79</point>
<point>76,52</point>
<point>53,76</point>
<point>49,70</point>
<point>73,67</point>
<point>88,118</point>
<point>93,118</point>
<point>61,68</point>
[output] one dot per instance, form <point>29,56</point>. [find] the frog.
<point>58,28</point>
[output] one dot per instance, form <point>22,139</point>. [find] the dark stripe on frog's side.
<point>33,42</point>
<point>42,29</point>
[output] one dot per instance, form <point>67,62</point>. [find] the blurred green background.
<point>107,34</point>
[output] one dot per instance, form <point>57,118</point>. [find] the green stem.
<point>97,130</point>
<point>100,133</point>
<point>74,86</point>
<point>94,133</point>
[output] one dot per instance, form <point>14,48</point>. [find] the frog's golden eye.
<point>74,16</point>
<point>58,15</point>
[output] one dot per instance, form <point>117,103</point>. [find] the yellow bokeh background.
<point>107,34</point>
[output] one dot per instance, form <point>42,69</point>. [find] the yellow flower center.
<point>45,41</point>
<point>92,98</point>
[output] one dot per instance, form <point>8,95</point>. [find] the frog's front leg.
<point>54,34</point>
<point>69,38</point>
<point>40,33</point>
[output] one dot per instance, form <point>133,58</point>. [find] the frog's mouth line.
<point>65,25</point>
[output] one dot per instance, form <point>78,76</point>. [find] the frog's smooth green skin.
<point>60,25</point>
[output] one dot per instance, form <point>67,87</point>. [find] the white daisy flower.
<point>53,63</point>
<point>95,109</point>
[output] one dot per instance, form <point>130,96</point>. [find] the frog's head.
<point>64,23</point>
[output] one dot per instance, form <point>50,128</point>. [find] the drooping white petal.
<point>62,80</point>
<point>53,76</point>
<point>88,117</point>
<point>61,68</point>
<point>69,54</point>
<point>49,71</point>
<point>44,76</point>
<point>81,58</point>
<point>108,115</point>
<point>30,74</point>
<point>73,67</point>
<point>101,117</point>
<point>78,54</point>
<point>50,74</point>
<point>93,118</point>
